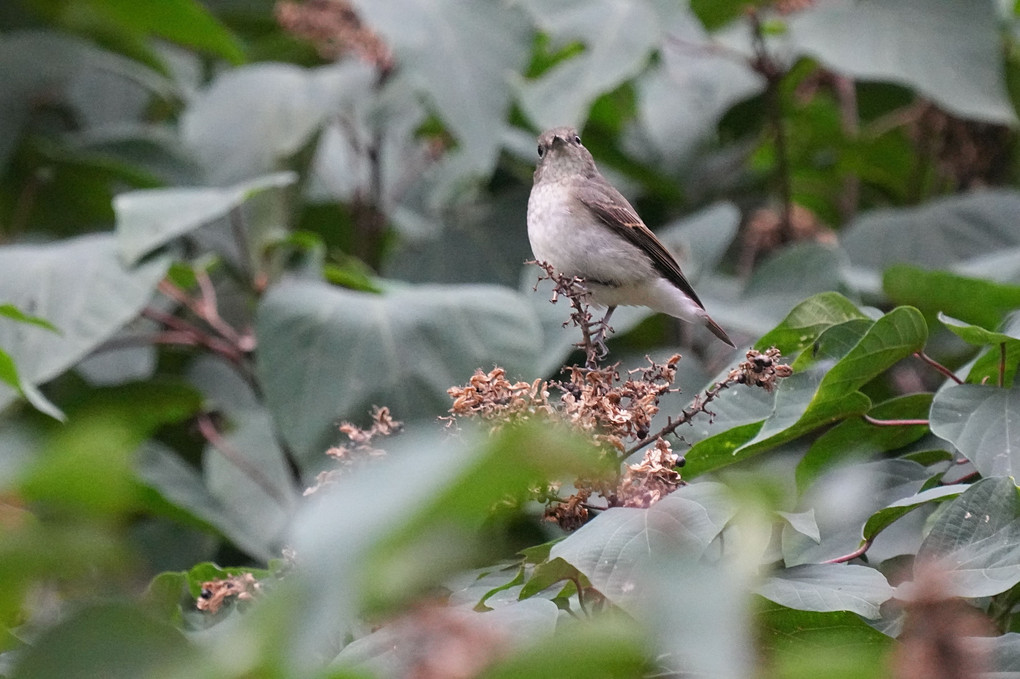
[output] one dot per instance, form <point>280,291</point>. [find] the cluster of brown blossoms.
<point>335,29</point>
<point>360,448</point>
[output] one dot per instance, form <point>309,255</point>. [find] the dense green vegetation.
<point>281,398</point>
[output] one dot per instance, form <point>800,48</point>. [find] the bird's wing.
<point>613,209</point>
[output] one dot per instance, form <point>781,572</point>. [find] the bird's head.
<point>560,154</point>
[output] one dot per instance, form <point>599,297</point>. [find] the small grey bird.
<point>582,226</point>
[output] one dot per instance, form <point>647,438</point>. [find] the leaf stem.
<point>852,555</point>
<point>938,366</point>
<point>894,423</point>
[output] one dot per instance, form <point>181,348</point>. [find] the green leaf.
<point>13,312</point>
<point>843,499</point>
<point>940,233</point>
<point>548,574</point>
<point>459,56</point>
<point>53,66</point>
<point>618,36</point>
<point>80,286</point>
<point>855,439</point>
<point>973,300</point>
<point>899,333</point>
<point>975,542</point>
<point>945,49</point>
<point>980,421</point>
<point>605,647</point>
<point>151,218</point>
<point>808,320</point>
<point>610,550</point>
<point>806,645</point>
<point>402,349</point>
<point>86,466</point>
<point>991,365</point>
<point>417,515</point>
<point>254,120</point>
<point>883,518</point>
<point>112,640</point>
<point>974,334</point>
<point>829,587</point>
<point>182,21</point>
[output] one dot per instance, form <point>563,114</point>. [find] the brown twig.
<point>938,366</point>
<point>771,71</point>
<point>210,433</point>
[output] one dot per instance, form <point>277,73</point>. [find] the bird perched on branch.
<point>582,226</point>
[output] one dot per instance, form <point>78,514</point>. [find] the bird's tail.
<point>717,330</point>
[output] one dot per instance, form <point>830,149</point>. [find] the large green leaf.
<point>980,421</point>
<point>972,299</point>
<point>253,120</point>
<point>327,354</point>
<point>975,542</point>
<point>612,550</point>
<point>998,361</point>
<point>80,286</point>
<point>186,22</point>
<point>948,50</point>
<point>460,55</point>
<point>806,644</point>
<point>808,320</point>
<point>896,335</point>
<point>151,218</point>
<point>829,587</point>
<point>618,35</point>
<point>49,66</point>
<point>681,99</point>
<point>114,640</point>
<point>939,233</point>
<point>855,439</point>
<point>844,499</point>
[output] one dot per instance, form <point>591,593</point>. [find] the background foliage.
<point>229,226</point>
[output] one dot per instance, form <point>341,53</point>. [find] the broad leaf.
<point>809,644</point>
<point>151,218</point>
<point>80,286</point>
<point>976,541</point>
<point>855,439</point>
<point>612,550</point>
<point>827,588</point>
<point>971,299</point>
<point>980,421</point>
<point>942,232</point>
<point>402,349</point>
<point>459,54</point>
<point>948,50</point>
<point>883,518</point>
<point>618,35</point>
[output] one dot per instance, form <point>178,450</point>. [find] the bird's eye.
<point>577,140</point>
<point>541,151</point>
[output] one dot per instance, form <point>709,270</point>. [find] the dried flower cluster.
<point>335,29</point>
<point>360,448</point>
<point>616,414</point>
<point>760,369</point>
<point>214,594</point>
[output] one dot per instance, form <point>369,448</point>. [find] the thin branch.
<point>893,423</point>
<point>766,66</point>
<point>213,436</point>
<point>699,405</point>
<point>938,366</point>
<point>852,555</point>
<point>1002,364</point>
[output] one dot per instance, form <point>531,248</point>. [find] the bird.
<point>582,226</point>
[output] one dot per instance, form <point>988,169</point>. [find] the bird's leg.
<point>599,338</point>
